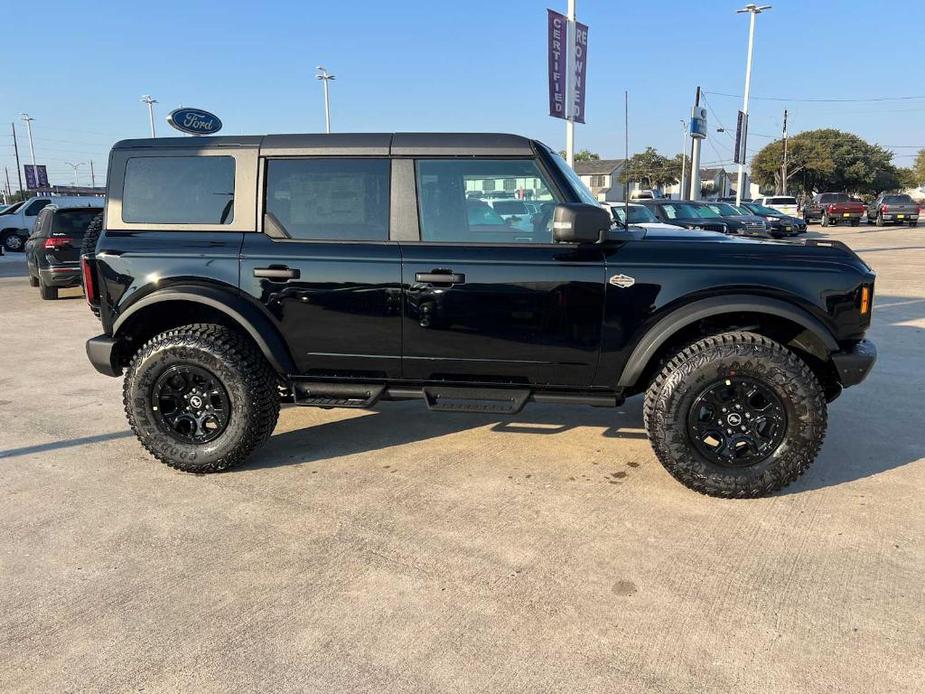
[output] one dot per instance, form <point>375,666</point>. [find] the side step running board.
<point>484,400</point>
<point>336,394</point>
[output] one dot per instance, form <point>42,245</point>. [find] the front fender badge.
<point>622,281</point>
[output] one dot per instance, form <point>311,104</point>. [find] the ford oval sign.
<point>194,121</point>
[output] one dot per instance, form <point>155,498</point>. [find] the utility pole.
<point>325,78</point>
<point>146,99</point>
<point>9,192</point>
<point>683,158</point>
<point>22,193</point>
<point>695,158</point>
<point>753,10</point>
<point>76,177</point>
<point>35,169</point>
<point>783,168</point>
<point>92,175</point>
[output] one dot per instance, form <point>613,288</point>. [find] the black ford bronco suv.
<point>233,274</point>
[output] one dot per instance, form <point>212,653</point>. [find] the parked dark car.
<point>237,273</point>
<point>685,213</point>
<point>833,208</point>
<point>893,207</point>
<point>782,225</point>
<point>53,248</point>
<point>739,221</point>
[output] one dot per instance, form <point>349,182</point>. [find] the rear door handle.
<point>277,272</point>
<point>440,278</point>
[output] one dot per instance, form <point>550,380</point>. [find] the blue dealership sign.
<point>194,121</point>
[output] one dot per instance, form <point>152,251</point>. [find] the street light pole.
<point>753,10</point>
<point>76,177</point>
<point>35,171</point>
<point>570,86</point>
<point>147,99</point>
<point>325,78</point>
<point>683,158</point>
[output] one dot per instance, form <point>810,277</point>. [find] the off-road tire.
<point>47,293</point>
<point>33,281</point>
<point>669,399</point>
<point>243,371</point>
<point>91,236</point>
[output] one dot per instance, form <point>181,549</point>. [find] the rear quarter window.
<point>179,190</point>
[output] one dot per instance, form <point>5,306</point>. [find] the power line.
<point>877,99</point>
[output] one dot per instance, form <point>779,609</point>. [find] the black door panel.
<point>338,305</point>
<point>524,314</point>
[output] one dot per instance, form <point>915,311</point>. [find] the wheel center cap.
<point>196,401</point>
<point>734,419</point>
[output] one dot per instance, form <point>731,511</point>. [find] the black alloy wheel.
<point>737,422</point>
<point>191,403</point>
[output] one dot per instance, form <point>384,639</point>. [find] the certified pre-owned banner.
<point>557,31</point>
<point>580,70</point>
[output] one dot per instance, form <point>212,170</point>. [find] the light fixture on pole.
<point>27,119</point>
<point>325,78</point>
<point>753,10</point>
<point>147,99</point>
<point>75,167</point>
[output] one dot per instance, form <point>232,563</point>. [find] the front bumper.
<point>855,363</point>
<point>103,353</point>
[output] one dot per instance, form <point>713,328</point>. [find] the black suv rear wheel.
<point>200,397</point>
<point>736,415</point>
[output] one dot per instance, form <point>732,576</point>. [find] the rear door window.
<point>74,222</point>
<point>330,199</point>
<point>179,190</point>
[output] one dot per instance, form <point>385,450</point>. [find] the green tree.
<point>826,159</point>
<point>652,169</point>
<point>917,175</point>
<point>583,155</point>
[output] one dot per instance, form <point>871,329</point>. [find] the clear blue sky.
<point>438,65</point>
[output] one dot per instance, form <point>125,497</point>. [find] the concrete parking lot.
<point>405,551</point>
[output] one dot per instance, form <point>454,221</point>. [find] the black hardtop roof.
<point>355,144</point>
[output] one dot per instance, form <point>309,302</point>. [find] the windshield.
<point>781,200</point>
<point>510,207</point>
<point>680,210</point>
<point>762,210</point>
<point>725,209</point>
<point>707,212</point>
<point>581,190</point>
<point>12,208</point>
<point>638,214</point>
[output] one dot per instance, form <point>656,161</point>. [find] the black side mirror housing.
<point>579,222</point>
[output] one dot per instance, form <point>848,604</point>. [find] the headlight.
<point>773,219</point>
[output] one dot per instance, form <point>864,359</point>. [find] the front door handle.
<point>277,272</point>
<point>440,278</point>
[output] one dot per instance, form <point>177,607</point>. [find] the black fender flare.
<point>690,313</point>
<point>250,318</point>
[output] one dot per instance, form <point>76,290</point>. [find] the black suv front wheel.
<point>200,397</point>
<point>736,415</point>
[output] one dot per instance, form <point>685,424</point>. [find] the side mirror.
<point>579,222</point>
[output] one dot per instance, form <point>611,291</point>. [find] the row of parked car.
<point>50,230</point>
<point>748,219</point>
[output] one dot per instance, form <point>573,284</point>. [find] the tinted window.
<point>680,211</point>
<point>179,190</point>
<point>780,200</point>
<point>40,227</point>
<point>451,207</point>
<point>73,223</point>
<point>35,207</point>
<point>638,214</point>
<point>333,199</point>
<point>510,206</point>
<point>897,199</point>
<point>834,197</point>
